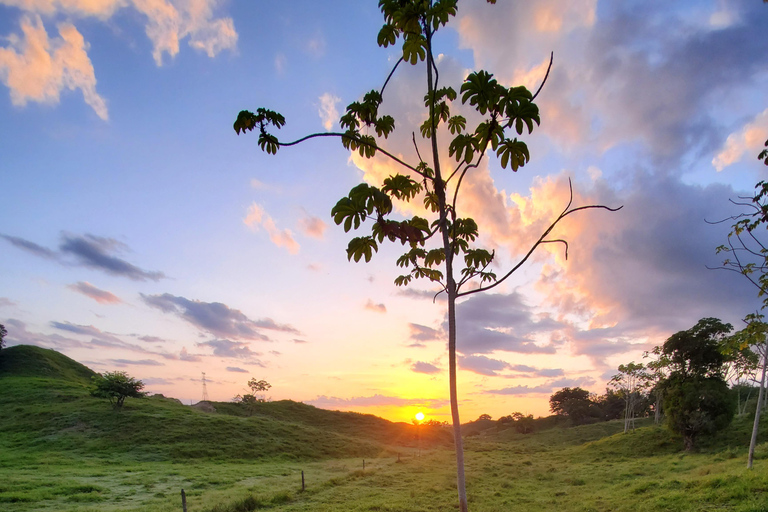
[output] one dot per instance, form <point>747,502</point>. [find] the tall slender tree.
<point>439,248</point>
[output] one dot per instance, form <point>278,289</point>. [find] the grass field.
<point>61,450</point>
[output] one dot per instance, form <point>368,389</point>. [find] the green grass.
<point>62,450</point>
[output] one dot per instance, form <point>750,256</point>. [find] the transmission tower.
<point>205,390</point>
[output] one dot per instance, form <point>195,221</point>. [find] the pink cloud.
<point>376,308</point>
<point>36,68</point>
<point>100,296</point>
<point>312,226</point>
<point>257,217</point>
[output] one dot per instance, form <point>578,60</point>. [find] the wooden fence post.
<point>363,464</point>
<point>302,480</point>
<point>183,501</point>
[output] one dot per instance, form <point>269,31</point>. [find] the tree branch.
<point>542,239</point>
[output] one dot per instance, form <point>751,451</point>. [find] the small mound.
<point>31,361</point>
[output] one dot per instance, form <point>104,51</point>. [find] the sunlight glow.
<point>420,416</point>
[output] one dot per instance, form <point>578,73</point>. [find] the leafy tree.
<point>484,417</point>
<point>524,424</point>
<point>440,246</point>
<point>249,400</point>
<point>574,403</point>
<point>3,334</point>
<point>755,334</point>
<point>116,387</point>
<point>697,400</point>
<point>258,387</point>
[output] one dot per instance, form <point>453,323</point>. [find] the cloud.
<point>215,318</point>
<point>488,322</point>
<point>546,388</point>
<point>100,296</point>
<point>483,365</point>
<point>232,349</point>
<point>131,362</point>
<point>422,367</point>
<point>5,302</point>
<point>747,141</point>
<point>328,112</point>
<point>643,275</point>
<point>423,333</point>
<point>236,369</point>
<point>312,226</point>
<point>152,339</point>
<point>89,251</point>
<point>19,335</point>
<point>186,356</point>
<point>31,247</point>
<point>36,68</point>
<point>374,401</point>
<point>376,308</point>
<point>94,252</point>
<point>257,217</point>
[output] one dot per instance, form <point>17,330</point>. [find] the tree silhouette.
<point>3,334</point>
<point>439,248</point>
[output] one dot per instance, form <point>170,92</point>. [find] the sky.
<point>139,233</point>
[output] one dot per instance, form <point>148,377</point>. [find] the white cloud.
<point>36,68</point>
<point>328,112</point>
<point>746,141</point>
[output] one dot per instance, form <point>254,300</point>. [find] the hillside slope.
<point>49,409</point>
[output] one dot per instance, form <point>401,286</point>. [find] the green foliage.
<point>116,387</point>
<point>697,406</point>
<point>697,400</point>
<point>574,403</point>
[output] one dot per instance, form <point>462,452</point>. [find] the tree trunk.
<point>758,409</point>
<point>457,440</point>
<point>440,190</point>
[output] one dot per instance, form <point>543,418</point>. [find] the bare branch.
<point>551,58</point>
<point>390,76</point>
<point>543,239</point>
<point>359,141</point>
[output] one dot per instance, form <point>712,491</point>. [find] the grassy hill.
<point>50,409</point>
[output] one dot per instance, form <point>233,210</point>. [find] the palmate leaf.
<point>387,35</point>
<point>481,90</point>
<point>362,247</point>
<point>513,153</point>
<point>401,187</point>
<point>462,147</point>
<point>414,48</point>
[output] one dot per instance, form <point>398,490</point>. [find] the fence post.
<point>363,464</point>
<point>183,501</point>
<point>302,480</point>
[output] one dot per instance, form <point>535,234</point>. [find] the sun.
<point>419,415</point>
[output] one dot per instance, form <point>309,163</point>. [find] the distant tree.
<point>697,400</point>
<point>442,248</point>
<point>484,417</point>
<point>631,383</point>
<point>249,400</point>
<point>258,387</point>
<point>3,334</point>
<point>611,405</point>
<point>116,387</point>
<point>574,403</point>
<point>524,424</point>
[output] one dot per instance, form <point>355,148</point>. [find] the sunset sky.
<point>139,233</point>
